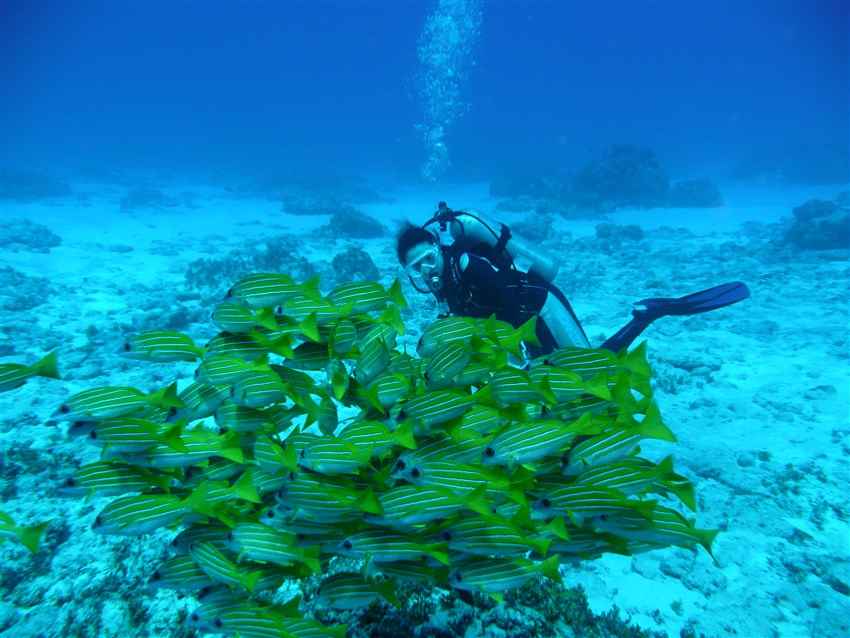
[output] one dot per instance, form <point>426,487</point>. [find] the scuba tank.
<point>473,228</point>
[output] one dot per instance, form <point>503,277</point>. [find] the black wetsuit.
<point>480,283</point>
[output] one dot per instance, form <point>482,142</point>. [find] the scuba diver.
<point>485,271</point>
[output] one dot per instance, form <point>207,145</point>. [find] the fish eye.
<point>292,476</point>
<point>415,472</point>
<point>489,452</point>
<point>172,411</point>
<point>278,310</point>
<point>127,346</point>
<point>547,362</point>
<point>347,545</point>
<point>223,430</point>
<point>230,536</point>
<point>400,465</point>
<point>458,577</point>
<point>401,415</point>
<point>229,294</point>
<point>446,535</point>
<point>270,514</point>
<point>603,517</point>
<point>156,575</point>
<point>70,482</point>
<point>64,408</point>
<point>217,622</point>
<point>195,617</point>
<point>197,372</point>
<point>98,521</point>
<point>426,375</point>
<point>92,434</point>
<point>546,503</point>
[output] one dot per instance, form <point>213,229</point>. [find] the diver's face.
<point>424,266</point>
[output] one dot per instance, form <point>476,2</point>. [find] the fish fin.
<point>528,331</point>
<point>249,581</point>
<point>244,488</point>
<point>310,288</point>
<point>310,327</point>
<point>47,367</point>
<point>598,386</point>
<point>171,437</point>
<point>392,317</point>
<point>265,318</point>
<point>371,394</point>
<point>396,295</point>
<point>386,590</point>
<point>166,397</point>
<point>403,435</point>
<point>636,362</point>
<point>706,538</point>
<point>30,536</point>
<point>476,500</point>
<point>369,503</point>
<point>540,545</point>
<point>558,528</point>
<point>550,568</point>
<point>439,555</point>
<point>652,427</point>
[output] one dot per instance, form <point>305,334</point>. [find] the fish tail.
<point>47,367</point>
<point>30,536</point>
<point>166,397</point>
<point>396,295</point>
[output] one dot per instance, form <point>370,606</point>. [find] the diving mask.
<point>425,267</point>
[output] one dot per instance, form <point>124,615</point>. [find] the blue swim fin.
<point>648,310</point>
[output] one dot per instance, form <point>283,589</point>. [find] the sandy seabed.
<point>758,395</point>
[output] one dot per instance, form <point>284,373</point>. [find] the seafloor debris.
<point>20,235</point>
<point>19,292</point>
<point>354,263</point>
<point>820,224</point>
<point>350,223</point>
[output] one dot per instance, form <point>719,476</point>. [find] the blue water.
<point>152,153</point>
<point>203,86</point>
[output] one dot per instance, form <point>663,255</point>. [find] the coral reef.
<point>22,235</point>
<point>540,608</point>
<point>212,275</point>
<point>535,227</point>
<point>626,175</point>
<point>20,292</point>
<point>348,222</point>
<point>695,193</point>
<point>354,264</point>
<point>820,224</point>
<point>31,186</point>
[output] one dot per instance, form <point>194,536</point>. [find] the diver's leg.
<point>648,310</point>
<point>562,322</point>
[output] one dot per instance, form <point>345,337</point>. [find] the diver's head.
<point>420,253</point>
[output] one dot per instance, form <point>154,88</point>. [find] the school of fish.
<point>464,466</point>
